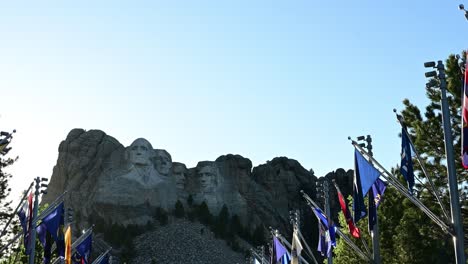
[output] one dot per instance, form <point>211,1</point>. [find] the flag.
<point>296,247</point>
<point>364,176</point>
<point>406,167</point>
<point>68,246</point>
<point>353,229</point>
<point>286,258</point>
<point>322,245</point>
<point>321,217</point>
<point>372,212</point>
<point>464,134</point>
<point>48,241</point>
<point>83,250</point>
<point>329,230</point>
<point>378,188</point>
<point>54,222</point>
<point>25,216</point>
<point>278,250</point>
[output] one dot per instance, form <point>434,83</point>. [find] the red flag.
<point>353,230</point>
<point>29,217</point>
<point>464,134</point>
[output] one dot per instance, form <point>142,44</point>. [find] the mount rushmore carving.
<point>125,185</point>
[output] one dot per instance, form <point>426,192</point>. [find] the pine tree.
<point>407,235</point>
<point>204,214</point>
<point>258,236</point>
<point>179,211</point>
<point>222,221</point>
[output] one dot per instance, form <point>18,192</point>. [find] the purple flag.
<point>279,249</point>
<point>378,188</point>
<point>322,244</point>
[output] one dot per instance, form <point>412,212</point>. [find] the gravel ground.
<point>182,242</point>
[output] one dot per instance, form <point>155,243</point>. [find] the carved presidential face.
<point>140,152</point>
<point>163,162</point>
<point>207,176</point>
<point>180,173</point>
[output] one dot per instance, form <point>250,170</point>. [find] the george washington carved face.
<point>140,152</point>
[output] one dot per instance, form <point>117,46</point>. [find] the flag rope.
<point>423,168</point>
<point>348,241</point>
<point>309,251</point>
<point>403,190</point>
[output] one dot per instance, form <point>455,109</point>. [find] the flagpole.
<point>327,209</point>
<point>295,219</point>
<point>375,229</point>
<point>423,167</point>
<point>11,241</point>
<point>33,231</point>
<point>16,210</point>
<point>403,190</point>
<point>345,237</point>
<point>96,261</point>
<point>278,235</point>
<point>311,255</point>
<point>457,224</point>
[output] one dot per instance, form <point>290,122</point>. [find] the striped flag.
<point>25,215</point>
<point>353,229</point>
<point>464,134</point>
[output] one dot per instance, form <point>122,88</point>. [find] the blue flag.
<point>84,250</point>
<point>378,189</point>
<point>285,259</point>
<point>327,230</point>
<point>53,220</point>
<point>375,196</point>
<point>322,244</point>
<point>406,167</point>
<point>278,250</point>
<point>54,223</point>
<point>321,216</point>
<point>364,176</point>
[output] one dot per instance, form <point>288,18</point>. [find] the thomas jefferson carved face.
<point>163,162</point>
<point>208,175</point>
<point>140,152</point>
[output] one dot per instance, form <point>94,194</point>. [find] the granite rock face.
<point>124,185</point>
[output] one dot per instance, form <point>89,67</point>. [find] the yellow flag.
<point>68,245</point>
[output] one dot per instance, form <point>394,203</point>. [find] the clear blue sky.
<point>206,78</point>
